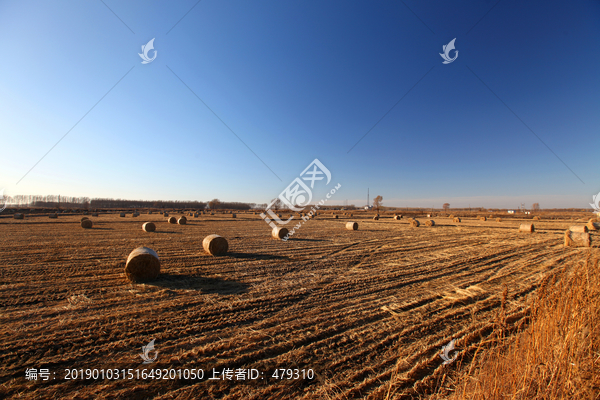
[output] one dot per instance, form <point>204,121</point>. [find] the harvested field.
<point>359,308</point>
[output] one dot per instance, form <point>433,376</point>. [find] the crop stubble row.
<point>307,303</point>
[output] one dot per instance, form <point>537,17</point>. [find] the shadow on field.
<point>304,240</point>
<point>256,256</point>
<point>166,231</point>
<point>203,284</point>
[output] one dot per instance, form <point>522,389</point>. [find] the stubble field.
<point>360,309</point>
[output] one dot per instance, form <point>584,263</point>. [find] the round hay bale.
<point>428,216</point>
<point>172,220</point>
<point>149,227</point>
<point>376,218</point>
<point>122,215</point>
<point>94,214</point>
<point>142,264</point>
<point>397,217</point>
<point>182,221</point>
<point>482,218</point>
<point>279,232</point>
<point>536,218</point>
<point>579,228</point>
<point>233,216</point>
<point>430,222</point>
<point>55,215</point>
<point>592,226</point>
<point>577,239</point>
<point>86,223</point>
<point>528,228</point>
<point>84,218</point>
<point>498,219</point>
<point>451,216</point>
<point>336,216</point>
<point>196,215</point>
<point>414,223</point>
<point>149,212</point>
<point>456,219</point>
<point>215,245</point>
<point>18,216</point>
<point>352,226</point>
<point>166,214</point>
<point>279,215</point>
<point>135,215</point>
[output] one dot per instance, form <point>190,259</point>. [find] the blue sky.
<point>297,81</point>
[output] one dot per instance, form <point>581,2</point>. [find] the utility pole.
<point>367,198</point>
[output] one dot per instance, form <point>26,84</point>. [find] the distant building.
<point>527,212</point>
<point>511,211</point>
<point>368,207</point>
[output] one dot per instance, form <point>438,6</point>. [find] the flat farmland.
<point>360,308</point>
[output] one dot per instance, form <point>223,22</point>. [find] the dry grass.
<point>279,232</point>
<point>352,226</point>
<point>315,301</point>
<point>577,239</point>
<point>556,357</point>
<point>529,228</point>
<point>215,245</point>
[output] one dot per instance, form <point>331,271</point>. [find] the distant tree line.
<point>58,201</point>
<point>216,204</point>
<point>122,203</point>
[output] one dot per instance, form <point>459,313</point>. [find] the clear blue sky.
<point>299,80</point>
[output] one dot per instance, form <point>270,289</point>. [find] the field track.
<point>357,307</point>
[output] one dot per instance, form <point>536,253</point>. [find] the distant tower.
<point>367,197</point>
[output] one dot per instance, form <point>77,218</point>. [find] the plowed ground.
<point>355,307</point>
